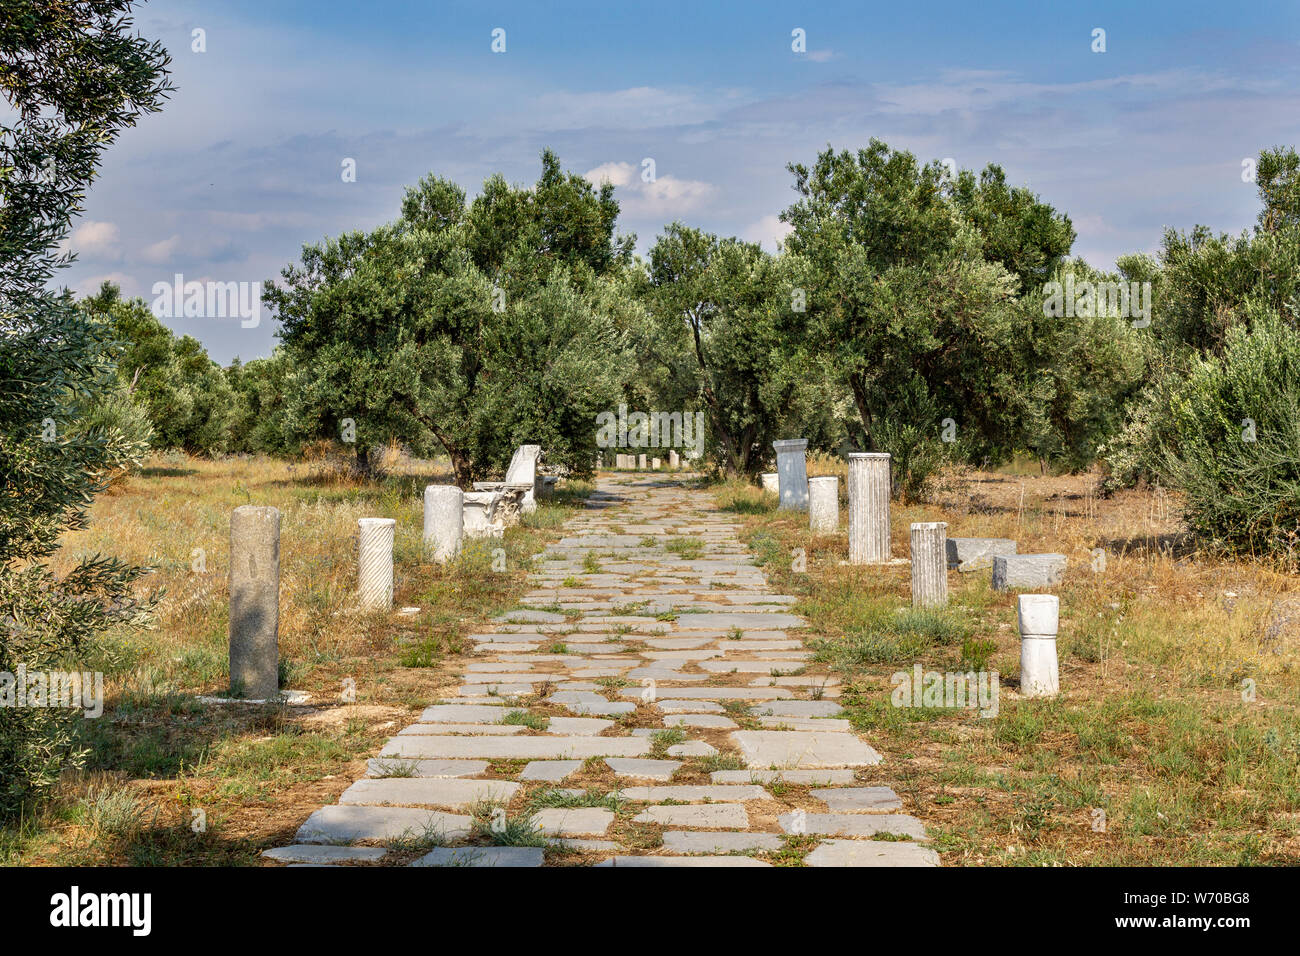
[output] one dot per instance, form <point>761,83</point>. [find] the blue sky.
<point>243,166</point>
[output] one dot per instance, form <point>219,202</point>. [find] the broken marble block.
<point>972,554</point>
<point>1014,571</point>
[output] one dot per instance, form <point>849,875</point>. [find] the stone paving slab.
<point>516,748</point>
<point>700,720</point>
<point>578,726</point>
<point>721,693</point>
<point>483,856</point>
<point>676,706</point>
<point>856,824</point>
<point>643,769</point>
<point>704,841</point>
<point>551,771</point>
<point>358,824</point>
<point>696,815</point>
<point>574,821</point>
<point>859,799</point>
<point>870,853</point>
<point>828,724</point>
<point>777,749</point>
<point>463,713</point>
<point>482,730</point>
<point>799,777</point>
<point>428,791</point>
<point>398,767</point>
<point>798,708</point>
<point>324,853</point>
<point>693,793</point>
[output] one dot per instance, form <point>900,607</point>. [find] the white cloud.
<point>90,284</point>
<point>162,251</point>
<point>769,231</point>
<point>664,197</point>
<point>620,174</point>
<point>96,239</point>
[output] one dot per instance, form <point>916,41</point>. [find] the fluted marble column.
<point>868,508</point>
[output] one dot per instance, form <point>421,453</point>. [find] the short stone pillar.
<point>1038,616</point>
<point>375,563</point>
<point>640,462</point>
<point>929,564</point>
<point>674,459</point>
<point>770,482</point>
<point>654,464</point>
<point>868,508</point>
<point>792,473</point>
<point>255,602</point>
<point>444,521</point>
<point>824,504</point>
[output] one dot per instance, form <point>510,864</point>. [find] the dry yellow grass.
<point>1178,718</point>
<point>255,773</point>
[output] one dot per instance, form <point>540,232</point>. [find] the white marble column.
<point>375,563</point>
<point>929,564</point>
<point>444,521</point>
<point>824,504</point>
<point>869,488</point>
<point>1038,616</point>
<point>255,602</point>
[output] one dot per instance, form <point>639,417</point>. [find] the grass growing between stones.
<point>252,774</point>
<point>1176,739</point>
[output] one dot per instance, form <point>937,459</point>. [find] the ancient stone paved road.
<point>644,616</point>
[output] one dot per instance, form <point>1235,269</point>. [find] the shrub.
<point>1236,447</point>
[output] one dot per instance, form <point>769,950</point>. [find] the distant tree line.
<point>935,316</point>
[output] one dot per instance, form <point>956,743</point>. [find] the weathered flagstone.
<point>643,769</point>
<point>744,621</point>
<point>721,693</point>
<point>578,726</point>
<point>493,730</point>
<point>699,720</point>
<point>704,841</point>
<point>870,853</point>
<point>854,824</point>
<point>859,799</point>
<point>428,791</point>
<point>531,617</point>
<point>801,777</point>
<point>552,771</point>
<point>798,708</point>
<point>692,748</point>
<point>830,724</point>
<point>675,706</point>
<point>696,815</point>
<point>516,748</point>
<point>483,856</point>
<point>381,767</point>
<point>575,821</point>
<point>739,666</point>
<point>463,714</point>
<point>318,853</point>
<point>359,824</point>
<point>691,794</point>
<point>777,749</point>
